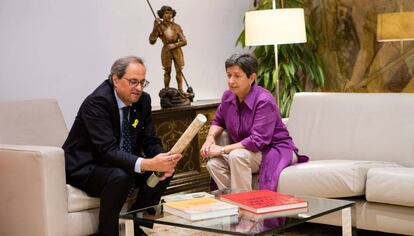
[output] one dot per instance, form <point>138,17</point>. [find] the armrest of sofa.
<point>33,199</point>
<point>223,139</point>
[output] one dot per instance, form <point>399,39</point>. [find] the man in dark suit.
<point>112,146</point>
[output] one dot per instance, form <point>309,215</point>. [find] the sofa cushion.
<point>343,126</point>
<point>328,178</point>
<point>78,200</point>
<point>33,122</point>
<point>391,185</point>
<point>375,217</point>
<point>83,222</point>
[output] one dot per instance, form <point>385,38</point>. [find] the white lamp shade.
<point>276,26</point>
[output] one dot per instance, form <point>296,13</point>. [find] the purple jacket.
<point>257,124</point>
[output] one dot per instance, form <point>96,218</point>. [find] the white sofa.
<point>361,147</point>
<point>34,197</point>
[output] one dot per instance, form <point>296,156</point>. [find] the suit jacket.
<point>95,135</point>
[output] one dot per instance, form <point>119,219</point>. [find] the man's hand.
<point>166,175</point>
<point>163,162</point>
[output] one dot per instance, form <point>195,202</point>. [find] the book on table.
<point>200,208</point>
<point>264,201</point>
<point>185,196</point>
<point>263,216</point>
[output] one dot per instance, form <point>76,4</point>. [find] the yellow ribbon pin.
<point>135,123</point>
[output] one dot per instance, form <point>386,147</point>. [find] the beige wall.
<point>63,49</point>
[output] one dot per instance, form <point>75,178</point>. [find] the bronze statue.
<point>173,38</point>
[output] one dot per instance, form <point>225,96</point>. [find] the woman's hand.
<point>205,149</point>
<point>214,151</point>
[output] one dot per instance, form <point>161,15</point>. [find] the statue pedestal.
<point>171,97</point>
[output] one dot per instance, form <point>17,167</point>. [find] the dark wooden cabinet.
<point>191,174</point>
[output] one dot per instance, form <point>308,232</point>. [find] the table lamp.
<point>274,27</point>
<point>395,26</point>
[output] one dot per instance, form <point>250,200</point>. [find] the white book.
<point>186,196</point>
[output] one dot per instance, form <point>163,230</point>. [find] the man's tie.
<point>127,142</point>
<point>126,131</point>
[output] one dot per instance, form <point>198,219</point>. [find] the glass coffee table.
<point>245,225</point>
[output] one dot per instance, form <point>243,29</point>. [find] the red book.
<point>264,201</point>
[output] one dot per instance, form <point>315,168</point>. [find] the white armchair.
<point>34,197</point>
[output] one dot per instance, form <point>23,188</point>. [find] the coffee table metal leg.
<point>348,221</point>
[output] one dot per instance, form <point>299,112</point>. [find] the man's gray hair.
<point>247,62</point>
<point>120,65</point>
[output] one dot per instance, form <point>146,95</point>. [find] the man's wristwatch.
<point>222,151</point>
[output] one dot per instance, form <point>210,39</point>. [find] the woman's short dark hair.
<point>247,62</point>
<point>120,65</point>
<point>163,9</point>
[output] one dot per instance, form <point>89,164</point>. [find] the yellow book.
<point>200,208</point>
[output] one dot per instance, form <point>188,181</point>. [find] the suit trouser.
<point>112,186</point>
<point>235,169</point>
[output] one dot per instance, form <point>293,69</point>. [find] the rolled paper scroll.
<point>180,145</point>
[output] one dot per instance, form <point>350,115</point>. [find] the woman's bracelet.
<point>222,151</point>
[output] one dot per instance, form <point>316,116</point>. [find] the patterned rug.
<point>166,230</point>
<point>306,229</point>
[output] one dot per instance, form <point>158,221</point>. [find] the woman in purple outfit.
<point>260,142</point>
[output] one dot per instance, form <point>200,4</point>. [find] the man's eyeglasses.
<point>134,82</point>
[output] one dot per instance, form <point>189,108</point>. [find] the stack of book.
<point>262,204</point>
<point>198,207</point>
